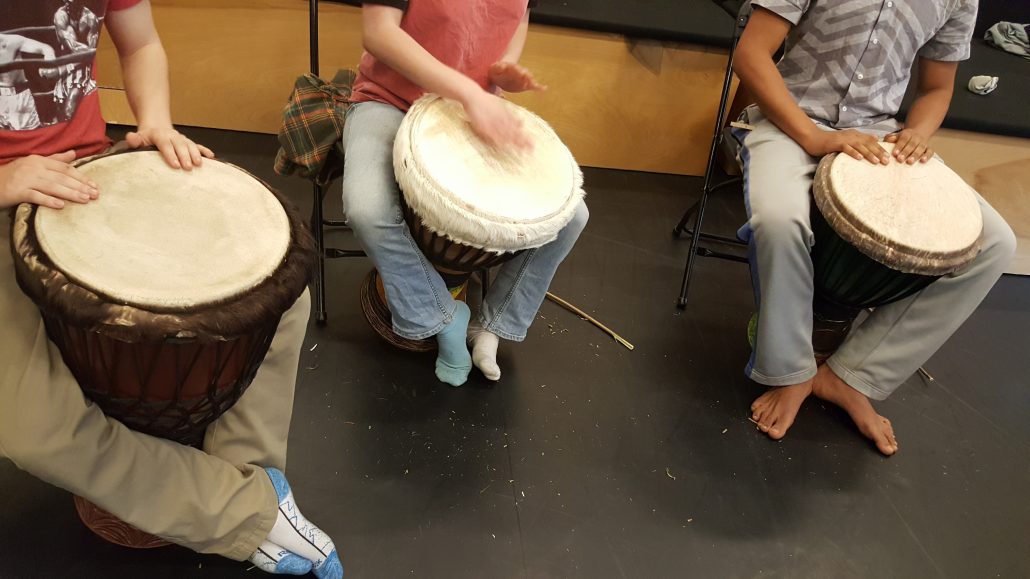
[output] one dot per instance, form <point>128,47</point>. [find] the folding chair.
<point>318,221</point>
<point>743,12</point>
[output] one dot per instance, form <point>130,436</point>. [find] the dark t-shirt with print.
<point>51,109</point>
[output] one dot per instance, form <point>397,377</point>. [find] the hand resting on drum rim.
<point>52,181</point>
<point>47,181</point>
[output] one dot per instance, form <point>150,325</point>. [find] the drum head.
<point>166,239</point>
<point>920,218</point>
<point>479,196</point>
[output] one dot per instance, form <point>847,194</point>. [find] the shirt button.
<point>860,77</point>
<point>844,108</point>
<point>876,41</point>
<point>890,5</point>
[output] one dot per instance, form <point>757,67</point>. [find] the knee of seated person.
<point>579,218</point>
<point>780,227</point>
<point>364,217</point>
<point>300,310</point>
<point>999,243</point>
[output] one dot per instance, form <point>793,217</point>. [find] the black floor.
<point>589,460</point>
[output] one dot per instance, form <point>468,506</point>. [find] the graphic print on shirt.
<point>34,34</point>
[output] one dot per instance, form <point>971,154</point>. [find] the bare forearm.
<point>146,85</point>
<point>928,111</point>
<point>759,74</point>
<point>518,42</point>
<point>399,51</point>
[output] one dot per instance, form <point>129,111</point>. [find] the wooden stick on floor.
<point>926,375</point>
<point>588,318</point>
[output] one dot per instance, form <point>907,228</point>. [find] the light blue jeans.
<point>419,300</point>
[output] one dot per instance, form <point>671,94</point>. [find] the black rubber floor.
<point>590,460</point>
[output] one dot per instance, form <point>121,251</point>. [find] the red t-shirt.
<point>45,111</point>
<point>466,35</point>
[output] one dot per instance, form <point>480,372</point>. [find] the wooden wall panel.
<point>617,104</point>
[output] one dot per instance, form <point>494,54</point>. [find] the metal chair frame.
<point>697,210</point>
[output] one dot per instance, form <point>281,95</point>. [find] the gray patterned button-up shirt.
<point>848,62</point>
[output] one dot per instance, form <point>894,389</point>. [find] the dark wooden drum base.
<point>114,530</point>
<point>377,312</point>
<point>828,335</point>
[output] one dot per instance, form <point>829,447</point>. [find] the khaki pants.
<point>217,501</point>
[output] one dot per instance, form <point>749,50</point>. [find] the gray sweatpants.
<point>896,339</point>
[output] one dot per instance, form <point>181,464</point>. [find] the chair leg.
<point>707,187</point>
<point>695,236</point>
<point>319,233</point>
<point>682,225</point>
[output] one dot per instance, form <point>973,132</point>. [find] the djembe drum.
<point>883,233</point>
<point>470,206</point>
<point>163,296</point>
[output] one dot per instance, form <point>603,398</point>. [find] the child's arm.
<point>754,65</point>
<point>936,85</point>
<point>506,74</point>
<point>518,41</point>
<point>145,69</point>
<point>385,39</point>
<point>48,181</point>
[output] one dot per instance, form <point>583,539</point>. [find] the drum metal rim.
<point>530,233</point>
<point>51,290</point>
<point>895,255</point>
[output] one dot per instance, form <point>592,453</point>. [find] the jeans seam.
<point>425,270</point>
<point>511,291</point>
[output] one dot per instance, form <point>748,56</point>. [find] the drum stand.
<point>698,208</point>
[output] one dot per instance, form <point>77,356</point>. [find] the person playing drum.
<point>465,51</point>
<point>232,499</point>
<point>837,88</point>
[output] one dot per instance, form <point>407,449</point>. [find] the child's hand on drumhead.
<point>910,146</point>
<point>178,150</point>
<point>853,143</point>
<point>47,181</point>
<point>495,123</point>
<point>511,77</point>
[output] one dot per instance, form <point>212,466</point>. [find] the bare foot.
<point>775,410</point>
<point>829,387</point>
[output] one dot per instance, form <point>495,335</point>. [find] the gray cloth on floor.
<point>1010,37</point>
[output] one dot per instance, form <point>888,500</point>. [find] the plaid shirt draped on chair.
<point>312,127</point>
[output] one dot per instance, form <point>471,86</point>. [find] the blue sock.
<point>272,558</point>
<point>453,363</point>
<point>294,533</point>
